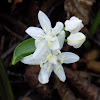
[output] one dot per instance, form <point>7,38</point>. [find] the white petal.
<point>60,73</point>
<point>73,25</point>
<point>59,26</point>
<point>78,45</point>
<point>61,38</point>
<point>44,75</point>
<point>34,32</point>
<point>44,22</point>
<point>55,45</point>
<point>69,57</point>
<point>30,60</point>
<point>37,42</point>
<point>55,52</point>
<point>42,51</point>
<point>76,40</point>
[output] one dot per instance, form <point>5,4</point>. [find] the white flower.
<point>76,40</point>
<point>51,61</point>
<point>42,47</point>
<point>46,35</point>
<point>73,25</point>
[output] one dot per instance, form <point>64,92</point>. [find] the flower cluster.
<point>49,41</point>
<point>76,38</point>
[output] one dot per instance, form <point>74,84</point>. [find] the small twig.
<point>3,56</point>
<point>13,33</point>
<point>9,51</point>
<point>15,74</point>
<point>64,91</point>
<point>93,74</point>
<point>28,93</point>
<point>2,42</point>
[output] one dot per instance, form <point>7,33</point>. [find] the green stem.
<point>65,40</point>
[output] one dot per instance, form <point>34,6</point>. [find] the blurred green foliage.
<point>96,23</point>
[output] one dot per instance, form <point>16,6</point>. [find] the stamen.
<point>62,60</point>
<point>58,68</point>
<point>49,56</point>
<point>53,39</point>
<point>59,51</point>
<point>48,33</point>
<point>50,44</point>
<point>44,29</point>
<point>41,63</point>
<point>48,69</point>
<point>42,44</point>
<point>39,36</point>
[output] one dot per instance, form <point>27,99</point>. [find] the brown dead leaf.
<point>9,1</point>
<point>88,90</point>
<point>78,8</point>
<point>25,98</point>
<point>45,5</point>
<point>15,2</point>
<point>64,91</point>
<point>94,66</point>
<point>31,76</point>
<point>92,55</point>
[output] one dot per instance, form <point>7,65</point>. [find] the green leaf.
<point>23,49</point>
<point>96,23</point>
<point>5,87</point>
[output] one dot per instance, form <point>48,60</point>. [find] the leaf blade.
<point>23,49</point>
<point>6,92</point>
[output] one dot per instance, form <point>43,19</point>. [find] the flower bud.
<point>73,25</point>
<point>76,40</point>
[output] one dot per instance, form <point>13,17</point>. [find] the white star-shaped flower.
<point>51,61</point>
<point>73,25</point>
<point>47,35</point>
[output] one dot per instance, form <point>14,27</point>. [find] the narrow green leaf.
<point>23,49</point>
<point>96,23</point>
<point>5,88</point>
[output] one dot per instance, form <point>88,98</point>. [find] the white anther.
<point>49,56</point>
<point>48,69</point>
<point>53,39</point>
<point>50,44</point>
<point>41,63</point>
<point>39,36</point>
<point>42,44</point>
<point>59,51</point>
<point>48,33</point>
<point>44,29</point>
<point>58,68</point>
<point>62,60</point>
